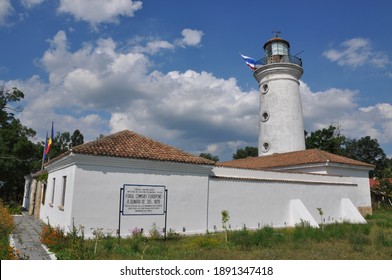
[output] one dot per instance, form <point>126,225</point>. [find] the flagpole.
<point>44,152</point>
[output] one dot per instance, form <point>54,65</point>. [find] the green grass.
<point>335,241</point>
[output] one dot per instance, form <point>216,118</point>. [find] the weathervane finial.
<point>276,33</point>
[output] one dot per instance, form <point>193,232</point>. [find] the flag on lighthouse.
<point>249,61</point>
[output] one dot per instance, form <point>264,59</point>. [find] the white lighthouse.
<point>281,126</point>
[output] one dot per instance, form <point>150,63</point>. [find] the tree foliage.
<point>367,150</point>
<point>64,141</point>
<point>327,139</point>
<point>9,105</point>
<point>364,149</point>
<point>18,155</point>
<point>209,156</point>
<point>246,152</point>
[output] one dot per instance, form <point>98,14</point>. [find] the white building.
<point>84,187</point>
<point>126,181</point>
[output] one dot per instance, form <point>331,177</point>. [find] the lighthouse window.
<point>264,117</point>
<point>264,88</point>
<point>266,147</point>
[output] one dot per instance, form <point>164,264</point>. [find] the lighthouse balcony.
<point>278,59</point>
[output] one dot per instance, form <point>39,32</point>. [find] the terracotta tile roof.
<point>313,156</point>
<point>128,144</point>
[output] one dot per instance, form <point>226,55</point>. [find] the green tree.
<point>327,139</point>
<point>209,156</point>
<point>9,104</point>
<point>367,150</point>
<point>77,138</point>
<point>18,155</point>
<point>63,142</point>
<point>246,152</point>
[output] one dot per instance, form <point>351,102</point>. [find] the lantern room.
<point>276,46</point>
<point>277,50</point>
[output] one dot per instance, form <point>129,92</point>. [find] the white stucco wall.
<point>257,198</point>
<point>52,212</point>
<point>280,101</point>
<point>197,195</point>
<point>93,201</point>
<point>358,175</point>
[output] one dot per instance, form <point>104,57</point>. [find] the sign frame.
<point>163,206</point>
<point>148,191</point>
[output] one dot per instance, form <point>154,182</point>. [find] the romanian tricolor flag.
<point>49,142</point>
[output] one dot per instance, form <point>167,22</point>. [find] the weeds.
<point>333,241</point>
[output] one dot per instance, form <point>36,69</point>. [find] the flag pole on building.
<point>44,151</point>
<point>48,145</point>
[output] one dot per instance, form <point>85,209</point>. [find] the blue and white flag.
<point>249,61</point>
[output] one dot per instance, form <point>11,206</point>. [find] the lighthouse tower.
<point>281,126</point>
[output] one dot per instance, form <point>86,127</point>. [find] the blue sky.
<point>171,70</point>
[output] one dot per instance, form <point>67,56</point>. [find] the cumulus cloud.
<point>191,37</point>
<point>154,47</point>
<point>339,107</point>
<point>99,11</point>
<point>5,10</point>
<point>322,108</point>
<point>357,52</point>
<point>31,3</point>
<point>117,90</point>
<point>103,88</point>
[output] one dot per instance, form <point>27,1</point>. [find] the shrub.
<point>241,238</point>
<point>267,237</point>
<point>304,232</point>
<point>6,227</point>
<point>53,237</point>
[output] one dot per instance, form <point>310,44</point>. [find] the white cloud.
<point>191,37</point>
<point>5,10</point>
<point>31,3</point>
<point>187,109</point>
<point>357,52</point>
<point>339,107</point>
<point>99,11</point>
<point>100,89</point>
<point>153,47</point>
<point>320,108</point>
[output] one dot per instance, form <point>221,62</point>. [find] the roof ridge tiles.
<point>303,157</point>
<point>128,144</point>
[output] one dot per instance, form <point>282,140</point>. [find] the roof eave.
<point>325,164</point>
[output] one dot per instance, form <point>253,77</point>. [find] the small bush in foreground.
<point>6,227</point>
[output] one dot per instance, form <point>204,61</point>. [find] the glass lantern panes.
<point>277,48</point>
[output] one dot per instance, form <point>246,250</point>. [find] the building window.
<point>63,193</point>
<point>53,191</point>
<point>44,193</point>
